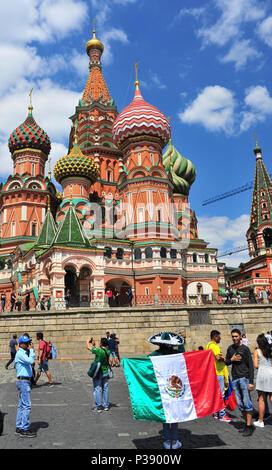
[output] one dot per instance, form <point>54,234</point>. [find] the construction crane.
<point>245,187</point>
<point>230,252</point>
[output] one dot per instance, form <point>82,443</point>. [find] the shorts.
<point>113,354</point>
<point>43,366</point>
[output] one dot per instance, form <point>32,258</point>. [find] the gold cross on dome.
<point>136,70</point>
<point>30,107</point>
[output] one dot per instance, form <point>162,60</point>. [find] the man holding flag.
<point>172,388</point>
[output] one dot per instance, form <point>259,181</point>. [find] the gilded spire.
<point>137,83</point>
<point>94,43</point>
<point>30,107</point>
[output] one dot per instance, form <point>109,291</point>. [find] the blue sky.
<point>204,63</point>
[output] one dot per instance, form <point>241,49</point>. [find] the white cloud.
<point>157,81</point>
<point>112,34</point>
<point>60,17</point>
<point>226,234</point>
<point>25,21</point>
<point>213,108</point>
<point>195,12</point>
<point>234,13</point>
<point>240,52</point>
<point>52,107</point>
<point>258,103</point>
<point>265,31</point>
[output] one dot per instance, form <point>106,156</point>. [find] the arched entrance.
<point>122,287</point>
<point>71,284</point>
<point>84,286</point>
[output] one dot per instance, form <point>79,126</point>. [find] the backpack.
<point>48,350</point>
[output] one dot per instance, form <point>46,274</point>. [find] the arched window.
<point>194,258</point>
<point>163,252</point>
<point>173,253</point>
<point>33,230</point>
<point>267,235</point>
<point>206,258</point>
<point>148,253</point>
<point>107,252</point>
<point>138,253</point>
<point>119,253</point>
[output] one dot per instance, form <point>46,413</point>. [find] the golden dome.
<point>75,164</point>
<point>94,43</point>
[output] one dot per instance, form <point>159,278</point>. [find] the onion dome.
<point>75,164</point>
<point>182,170</point>
<point>94,43</point>
<point>140,119</point>
<point>29,135</point>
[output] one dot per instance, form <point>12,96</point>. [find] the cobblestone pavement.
<point>63,418</point>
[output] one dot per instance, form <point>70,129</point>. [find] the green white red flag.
<point>173,388</point>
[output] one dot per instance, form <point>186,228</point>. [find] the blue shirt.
<point>23,362</point>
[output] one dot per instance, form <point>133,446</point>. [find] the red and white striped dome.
<point>138,119</point>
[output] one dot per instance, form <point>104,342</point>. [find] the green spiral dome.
<point>182,170</point>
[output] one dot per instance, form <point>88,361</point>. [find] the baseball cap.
<point>24,339</point>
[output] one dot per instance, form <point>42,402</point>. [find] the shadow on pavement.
<point>188,439</point>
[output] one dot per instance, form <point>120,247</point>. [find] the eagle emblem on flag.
<point>175,388</point>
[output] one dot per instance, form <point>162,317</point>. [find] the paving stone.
<point>63,418</point>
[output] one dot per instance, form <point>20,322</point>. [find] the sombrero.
<point>166,337</point>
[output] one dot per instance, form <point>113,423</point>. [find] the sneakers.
<point>51,385</point>
<point>27,433</point>
<point>176,444</point>
<point>215,416</point>
<point>225,419</point>
<point>167,444</point>
<point>106,408</point>
<point>259,424</point>
<point>248,431</point>
<point>97,410</point>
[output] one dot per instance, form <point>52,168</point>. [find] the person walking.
<point>12,301</point>
<point>3,301</point>
<point>112,344</point>
<point>48,303</point>
<point>19,302</point>
<point>239,357</point>
<point>109,294</point>
<point>238,297</point>
<point>251,296</point>
<point>12,346</point>
<point>43,361</point>
<point>100,383</point>
<point>27,301</point>
<point>244,340</point>
<point>219,363</point>
<point>130,296</point>
<point>24,358</point>
<point>168,343</point>
<point>262,360</point>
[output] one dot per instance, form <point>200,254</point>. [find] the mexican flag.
<point>173,388</point>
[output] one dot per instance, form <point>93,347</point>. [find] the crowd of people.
<point>238,358</point>
<point>235,296</point>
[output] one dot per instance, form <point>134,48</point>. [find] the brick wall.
<point>69,330</point>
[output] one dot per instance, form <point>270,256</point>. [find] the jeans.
<point>24,406</point>
<point>12,357</point>
<point>170,431</point>
<point>242,394</point>
<point>100,384</point>
<point>221,381</point>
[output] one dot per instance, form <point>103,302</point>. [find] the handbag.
<point>94,369</point>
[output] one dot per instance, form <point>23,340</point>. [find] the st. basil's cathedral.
<point>122,220</point>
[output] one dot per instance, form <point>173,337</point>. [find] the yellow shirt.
<point>219,365</point>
